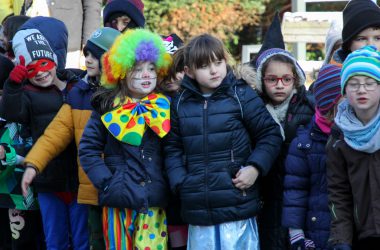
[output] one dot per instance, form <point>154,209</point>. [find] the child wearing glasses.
<point>280,82</point>
<point>353,155</point>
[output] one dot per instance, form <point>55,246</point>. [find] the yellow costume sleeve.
<point>5,9</point>
<point>54,140</point>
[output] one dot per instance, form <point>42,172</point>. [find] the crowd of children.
<point>165,145</point>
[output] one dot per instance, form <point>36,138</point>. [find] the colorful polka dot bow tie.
<point>128,122</point>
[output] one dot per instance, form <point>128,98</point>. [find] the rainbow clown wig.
<point>137,45</point>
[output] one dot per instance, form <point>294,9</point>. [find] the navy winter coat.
<point>272,235</point>
<point>305,186</point>
<point>209,140</point>
<point>127,176</point>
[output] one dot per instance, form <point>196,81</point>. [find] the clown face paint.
<point>142,80</point>
<point>42,72</point>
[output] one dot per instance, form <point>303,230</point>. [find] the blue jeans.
<point>60,221</point>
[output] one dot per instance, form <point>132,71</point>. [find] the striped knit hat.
<point>327,88</point>
<point>364,61</point>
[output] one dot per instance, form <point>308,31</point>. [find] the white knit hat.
<point>32,45</point>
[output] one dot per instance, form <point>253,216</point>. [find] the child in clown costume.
<point>120,149</point>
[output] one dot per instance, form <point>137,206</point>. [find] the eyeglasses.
<point>273,80</point>
<point>355,86</point>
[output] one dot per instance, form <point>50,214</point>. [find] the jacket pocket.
<point>123,192</point>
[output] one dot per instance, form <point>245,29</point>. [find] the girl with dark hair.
<point>280,82</point>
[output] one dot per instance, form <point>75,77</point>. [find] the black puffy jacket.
<point>209,140</point>
<point>36,107</point>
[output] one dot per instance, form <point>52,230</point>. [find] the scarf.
<point>323,123</point>
<point>279,112</point>
<point>129,120</point>
<point>364,138</point>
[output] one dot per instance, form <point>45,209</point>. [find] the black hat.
<point>133,9</point>
<point>357,16</point>
<point>273,38</point>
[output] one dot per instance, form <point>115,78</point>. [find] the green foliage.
<point>188,18</point>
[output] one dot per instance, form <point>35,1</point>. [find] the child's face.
<point>42,72</point>
<point>368,36</point>
<point>121,22</point>
<point>92,65</point>
<point>363,94</point>
<point>209,76</point>
<point>173,85</point>
<point>142,80</point>
<point>278,90</point>
<point>4,41</point>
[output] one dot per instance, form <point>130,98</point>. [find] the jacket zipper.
<point>147,177</point>
<point>142,154</point>
<point>356,214</point>
<point>205,146</point>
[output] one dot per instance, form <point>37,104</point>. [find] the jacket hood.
<point>58,39</point>
<point>334,34</point>
<point>265,56</point>
<point>247,73</point>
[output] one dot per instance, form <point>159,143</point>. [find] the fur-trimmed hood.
<point>247,73</point>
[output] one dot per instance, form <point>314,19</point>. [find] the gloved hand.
<point>297,239</point>
<point>309,244</point>
<point>19,73</point>
<point>298,245</point>
<point>342,247</point>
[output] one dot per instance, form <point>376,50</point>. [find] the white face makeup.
<point>142,80</point>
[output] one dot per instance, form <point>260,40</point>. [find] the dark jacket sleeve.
<point>91,148</point>
<point>174,152</point>
<point>6,67</point>
<point>264,132</point>
<point>15,103</point>
<point>340,195</point>
<point>296,188</point>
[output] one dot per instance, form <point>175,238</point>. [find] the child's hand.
<point>8,154</point>
<point>19,73</point>
<point>28,177</point>
<point>245,177</point>
<point>2,152</point>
